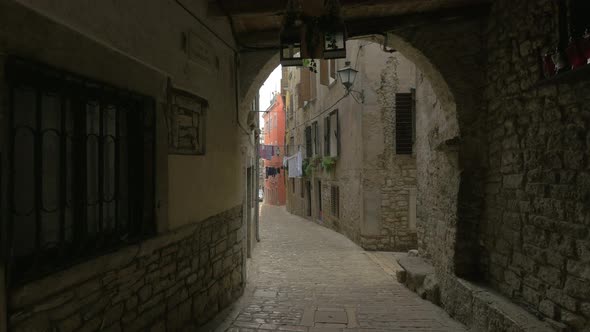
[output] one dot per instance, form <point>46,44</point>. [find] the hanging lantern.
<point>291,46</point>
<point>335,42</point>
<point>334,31</point>
<point>347,75</point>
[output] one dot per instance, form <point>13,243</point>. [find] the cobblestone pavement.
<point>304,277</point>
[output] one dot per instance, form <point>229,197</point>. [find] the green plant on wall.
<point>306,166</point>
<point>328,163</point>
<point>315,161</point>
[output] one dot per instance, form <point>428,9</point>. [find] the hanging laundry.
<point>295,165</point>
<point>266,151</point>
<point>271,171</point>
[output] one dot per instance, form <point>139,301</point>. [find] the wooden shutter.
<point>316,138</point>
<point>304,88</point>
<point>403,123</point>
<point>312,86</point>
<point>299,96</point>
<point>333,68</point>
<point>324,72</point>
<point>308,145</point>
<point>335,200</point>
<point>327,136</point>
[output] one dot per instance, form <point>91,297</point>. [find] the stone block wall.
<point>178,279</point>
<point>537,216</point>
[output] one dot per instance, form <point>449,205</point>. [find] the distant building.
<point>274,135</point>
<point>368,193</point>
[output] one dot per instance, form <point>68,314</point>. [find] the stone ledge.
<point>418,275</point>
<point>478,307</point>
<point>491,311</point>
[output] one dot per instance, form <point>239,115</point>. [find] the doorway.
<point>308,194</point>
<point>319,200</point>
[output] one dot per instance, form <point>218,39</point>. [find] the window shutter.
<point>333,68</point>
<point>337,132</point>
<point>403,123</point>
<point>308,145</point>
<point>312,86</point>
<point>299,96</point>
<point>335,200</point>
<point>327,136</point>
<point>305,86</point>
<point>324,72</point>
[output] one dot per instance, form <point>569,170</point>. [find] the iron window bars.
<point>82,169</point>
<point>404,123</point>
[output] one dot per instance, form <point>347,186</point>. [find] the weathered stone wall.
<point>192,268</point>
<point>396,173</point>
<point>181,278</point>
<point>537,218</point>
<point>367,171</point>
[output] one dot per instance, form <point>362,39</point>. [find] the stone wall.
<point>537,217</point>
<point>175,280</point>
<point>374,183</point>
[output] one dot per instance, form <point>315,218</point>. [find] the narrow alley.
<point>305,277</point>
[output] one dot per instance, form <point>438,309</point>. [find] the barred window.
<point>404,123</point>
<point>335,200</point>
<point>82,167</point>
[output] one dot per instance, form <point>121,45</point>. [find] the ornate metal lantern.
<point>291,54</point>
<point>335,42</point>
<point>347,75</point>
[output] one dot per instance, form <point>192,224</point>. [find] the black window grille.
<point>82,167</point>
<point>404,123</point>
<point>335,201</point>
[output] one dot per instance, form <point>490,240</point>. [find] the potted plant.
<point>328,163</point>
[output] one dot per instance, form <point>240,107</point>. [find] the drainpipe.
<point>257,181</point>
<point>3,261</point>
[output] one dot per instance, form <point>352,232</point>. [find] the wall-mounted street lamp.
<point>347,75</point>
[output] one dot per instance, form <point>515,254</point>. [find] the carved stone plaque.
<point>186,134</point>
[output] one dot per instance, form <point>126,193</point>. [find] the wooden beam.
<point>375,25</point>
<point>270,7</point>
<point>242,7</point>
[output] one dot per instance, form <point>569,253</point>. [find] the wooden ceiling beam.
<point>273,7</point>
<point>375,25</point>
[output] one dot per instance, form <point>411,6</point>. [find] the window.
<point>292,148</point>
<point>404,123</point>
<point>301,187</point>
<point>315,138</point>
<point>335,201</point>
<point>307,86</point>
<point>327,72</point>
<point>331,135</point>
<point>293,184</point>
<point>308,142</point>
<point>83,166</point>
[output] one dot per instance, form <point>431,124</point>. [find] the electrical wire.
<point>322,112</point>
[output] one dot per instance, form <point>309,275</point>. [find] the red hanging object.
<point>575,57</point>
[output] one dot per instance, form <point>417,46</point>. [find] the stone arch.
<point>255,67</point>
<point>449,53</point>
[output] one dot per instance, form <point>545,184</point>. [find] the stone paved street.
<point>304,277</point>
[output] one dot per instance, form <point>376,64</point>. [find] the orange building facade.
<point>274,135</point>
